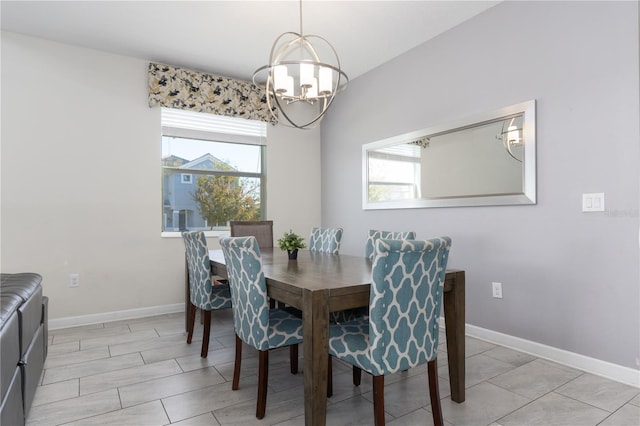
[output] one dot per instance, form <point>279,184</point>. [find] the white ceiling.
<point>233,38</point>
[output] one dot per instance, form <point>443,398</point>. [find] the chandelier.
<point>301,79</point>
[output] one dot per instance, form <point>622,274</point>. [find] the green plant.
<point>291,241</point>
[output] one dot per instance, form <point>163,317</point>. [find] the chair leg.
<point>434,393</point>
<point>330,377</point>
<point>236,366</point>
<point>378,400</point>
<point>357,376</point>
<point>293,358</point>
<point>207,331</point>
<point>263,376</point>
<point>191,322</point>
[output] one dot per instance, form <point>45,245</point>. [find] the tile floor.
<point>142,372</point>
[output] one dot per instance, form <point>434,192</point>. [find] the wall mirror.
<point>487,159</point>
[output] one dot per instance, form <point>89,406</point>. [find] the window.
<point>212,171</point>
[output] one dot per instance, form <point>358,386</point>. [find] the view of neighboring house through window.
<point>212,170</point>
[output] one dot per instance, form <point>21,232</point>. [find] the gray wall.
<point>570,279</point>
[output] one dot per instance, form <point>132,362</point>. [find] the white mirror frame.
<point>528,195</point>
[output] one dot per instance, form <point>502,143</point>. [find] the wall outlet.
<point>74,280</point>
<point>497,290</point>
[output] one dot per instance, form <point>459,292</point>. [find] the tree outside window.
<point>221,199</point>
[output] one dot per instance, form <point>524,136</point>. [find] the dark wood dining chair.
<point>261,229</point>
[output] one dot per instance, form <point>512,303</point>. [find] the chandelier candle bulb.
<point>325,80</point>
<point>280,78</point>
<point>306,75</point>
<point>289,91</point>
<point>313,90</point>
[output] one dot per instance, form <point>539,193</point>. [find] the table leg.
<point>315,323</point>
<point>454,317</point>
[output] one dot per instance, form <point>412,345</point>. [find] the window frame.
<point>250,138</point>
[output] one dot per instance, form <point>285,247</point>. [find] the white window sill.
<point>177,234</point>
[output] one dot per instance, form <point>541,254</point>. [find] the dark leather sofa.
<point>23,343</point>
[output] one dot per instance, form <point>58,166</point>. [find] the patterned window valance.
<point>179,88</point>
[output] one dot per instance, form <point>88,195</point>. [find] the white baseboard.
<point>625,375</point>
<point>114,316</point>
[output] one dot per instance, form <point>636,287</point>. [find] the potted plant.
<point>291,242</point>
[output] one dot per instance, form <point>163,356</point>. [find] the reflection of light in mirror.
<point>511,137</point>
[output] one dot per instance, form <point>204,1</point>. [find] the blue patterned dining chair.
<point>203,293</point>
<point>375,234</point>
<point>361,313</point>
<point>254,322</point>
<point>325,240</point>
<point>401,331</point>
<point>351,314</point>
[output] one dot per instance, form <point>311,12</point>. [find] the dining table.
<point>320,283</point>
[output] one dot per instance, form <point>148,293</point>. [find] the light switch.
<point>593,202</point>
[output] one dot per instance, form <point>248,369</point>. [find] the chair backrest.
<point>376,235</point>
<point>199,266</point>
<point>261,229</point>
<point>325,240</point>
<point>406,297</point>
<point>248,290</point>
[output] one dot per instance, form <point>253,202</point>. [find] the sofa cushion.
<point>30,314</point>
<point>23,284</point>
<point>31,365</point>
<point>9,304</point>
<point>9,351</point>
<point>27,287</point>
<point>11,410</point>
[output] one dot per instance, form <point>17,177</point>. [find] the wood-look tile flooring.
<point>141,372</point>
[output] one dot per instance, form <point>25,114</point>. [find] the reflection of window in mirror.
<point>488,159</point>
<point>394,173</point>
